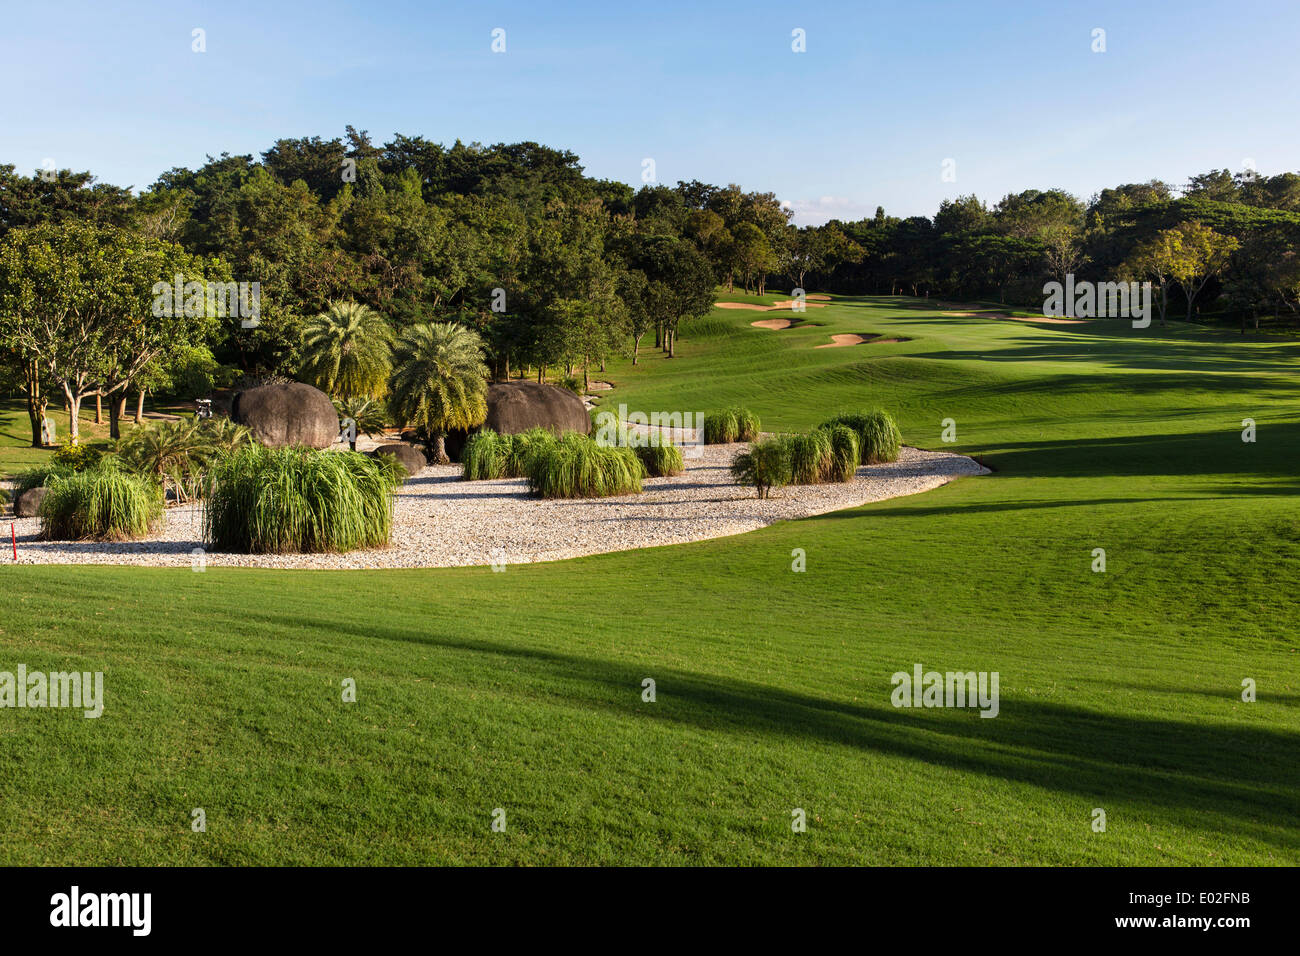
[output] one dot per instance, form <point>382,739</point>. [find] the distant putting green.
<point>523,690</point>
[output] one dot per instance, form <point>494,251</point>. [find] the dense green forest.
<point>553,269</point>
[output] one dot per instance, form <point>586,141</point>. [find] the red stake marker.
<point>14,534</point>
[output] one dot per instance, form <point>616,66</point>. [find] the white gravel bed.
<point>442,521</point>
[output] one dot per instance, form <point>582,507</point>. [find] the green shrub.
<point>279,500</point>
<point>844,453</point>
<point>573,383</point>
<point>102,504</point>
<point>576,466</point>
<point>661,460</point>
<point>40,475</point>
<point>721,428</point>
<point>765,466</point>
<point>810,457</point>
<point>486,455</point>
<point>226,436</point>
<point>746,424</point>
<point>76,457</point>
<point>370,414</point>
<point>878,435</point>
<point>180,454</point>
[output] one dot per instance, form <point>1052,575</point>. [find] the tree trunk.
<point>73,403</point>
<point>115,409</point>
<point>139,408</point>
<point>35,408</point>
<point>99,408</point>
<point>440,449</point>
<point>636,349</point>
<point>672,343</point>
<point>506,361</point>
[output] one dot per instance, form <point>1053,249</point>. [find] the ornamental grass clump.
<point>730,425</point>
<point>525,444</point>
<point>658,454</point>
<point>844,454</point>
<point>577,466</point>
<point>485,456</point>
<point>103,503</point>
<point>662,460</point>
<point>287,500</point>
<point>878,435</point>
<point>766,465</point>
<point>721,428</point>
<point>810,457</point>
<point>40,475</point>
<point>746,424</point>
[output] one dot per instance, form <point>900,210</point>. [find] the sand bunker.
<point>855,338</point>
<point>773,323</point>
<point>818,295</point>
<point>787,306</point>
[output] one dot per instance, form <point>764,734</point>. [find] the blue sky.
<point>1010,91</point>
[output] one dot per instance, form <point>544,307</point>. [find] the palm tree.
<point>439,382</point>
<point>347,351</point>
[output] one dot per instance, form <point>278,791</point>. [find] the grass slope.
<point>522,690</point>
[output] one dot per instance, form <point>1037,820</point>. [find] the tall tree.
<point>1203,254</point>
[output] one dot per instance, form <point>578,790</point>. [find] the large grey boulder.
<point>412,459</point>
<point>515,407</point>
<point>28,504</point>
<point>287,414</point>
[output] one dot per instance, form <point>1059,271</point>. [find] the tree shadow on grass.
<point>966,508</point>
<point>1204,773</point>
<point>1275,452</point>
<point>1184,356</point>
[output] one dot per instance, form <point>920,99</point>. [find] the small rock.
<point>28,504</point>
<point>412,459</point>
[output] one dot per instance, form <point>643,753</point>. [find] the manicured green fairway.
<point>522,690</point>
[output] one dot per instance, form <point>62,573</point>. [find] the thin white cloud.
<point>814,212</point>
